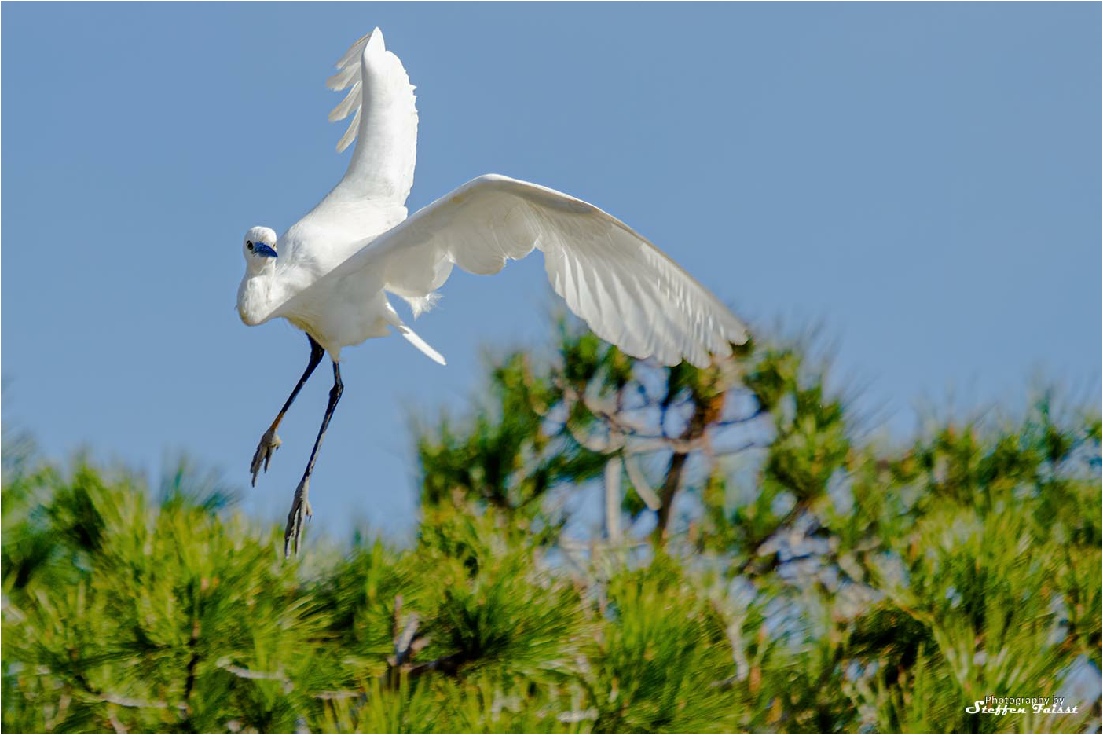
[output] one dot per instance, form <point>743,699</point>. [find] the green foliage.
<point>503,459</point>
<point>797,579</point>
<point>661,661</point>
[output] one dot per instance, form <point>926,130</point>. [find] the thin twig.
<point>243,673</point>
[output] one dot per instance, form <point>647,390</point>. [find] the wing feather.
<point>622,286</point>
<point>350,134</point>
<point>348,104</point>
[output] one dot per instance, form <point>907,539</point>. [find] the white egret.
<point>331,272</point>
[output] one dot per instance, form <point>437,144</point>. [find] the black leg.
<point>269,442</point>
<point>300,507</point>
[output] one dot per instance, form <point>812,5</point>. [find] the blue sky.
<point>923,179</point>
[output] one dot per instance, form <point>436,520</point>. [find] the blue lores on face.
<point>261,249</point>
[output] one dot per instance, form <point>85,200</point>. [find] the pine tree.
<point>758,564</point>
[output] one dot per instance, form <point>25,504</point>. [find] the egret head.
<point>260,247</point>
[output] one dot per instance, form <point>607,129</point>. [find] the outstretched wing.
<point>380,99</point>
<point>622,286</point>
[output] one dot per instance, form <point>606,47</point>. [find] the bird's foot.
<point>268,445</point>
<point>300,511</point>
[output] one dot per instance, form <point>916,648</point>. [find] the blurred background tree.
<point>605,545</point>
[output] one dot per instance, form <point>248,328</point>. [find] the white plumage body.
<point>335,266</point>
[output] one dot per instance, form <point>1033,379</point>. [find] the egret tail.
<point>419,343</point>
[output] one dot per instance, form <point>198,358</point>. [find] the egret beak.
<point>264,250</point>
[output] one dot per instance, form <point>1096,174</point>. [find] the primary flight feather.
<point>331,272</point>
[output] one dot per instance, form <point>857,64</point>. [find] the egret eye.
<point>249,244</point>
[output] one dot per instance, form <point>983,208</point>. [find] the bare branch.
<point>244,673</point>
<point>404,645</point>
<point>578,716</point>
<point>116,725</point>
<point>591,442</point>
<point>574,545</point>
<point>612,498</point>
<point>136,703</point>
<point>639,481</point>
<point>121,701</point>
<point>334,695</point>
